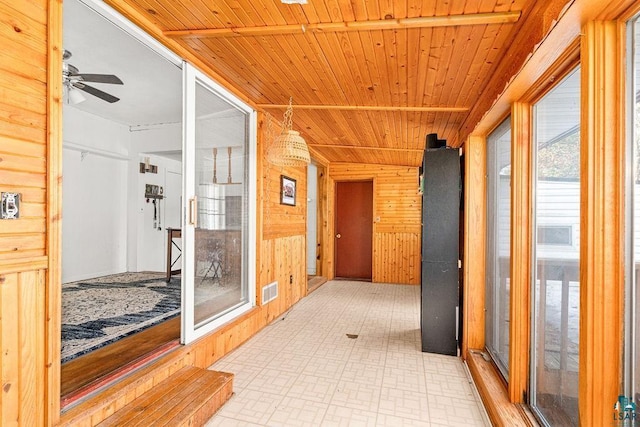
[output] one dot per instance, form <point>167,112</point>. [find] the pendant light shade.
<point>288,148</point>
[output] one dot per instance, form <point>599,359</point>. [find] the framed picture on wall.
<point>287,191</point>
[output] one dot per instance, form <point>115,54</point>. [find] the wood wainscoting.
<point>22,326</point>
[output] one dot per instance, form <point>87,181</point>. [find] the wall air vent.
<point>270,292</point>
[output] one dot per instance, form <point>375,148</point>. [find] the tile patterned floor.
<point>303,369</point>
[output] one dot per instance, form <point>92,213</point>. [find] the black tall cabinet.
<point>440,250</point>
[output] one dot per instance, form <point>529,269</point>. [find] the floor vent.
<point>270,292</point>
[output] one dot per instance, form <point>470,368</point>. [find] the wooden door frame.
<point>53,275</point>
<point>329,250</point>
<point>321,219</point>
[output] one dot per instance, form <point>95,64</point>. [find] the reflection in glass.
<point>220,174</point>
<point>498,245</point>
<point>556,258</point>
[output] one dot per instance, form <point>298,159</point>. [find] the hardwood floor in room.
<point>95,366</point>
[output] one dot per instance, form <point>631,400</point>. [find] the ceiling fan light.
<point>76,97</point>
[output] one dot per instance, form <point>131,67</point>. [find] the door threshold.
<point>314,282</point>
<point>77,396</point>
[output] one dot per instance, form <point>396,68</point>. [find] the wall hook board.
<point>152,191</point>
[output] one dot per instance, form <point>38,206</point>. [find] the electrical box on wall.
<point>10,206</point>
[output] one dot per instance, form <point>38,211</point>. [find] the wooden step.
<point>188,397</point>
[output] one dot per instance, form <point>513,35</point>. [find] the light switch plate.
<point>10,206</point>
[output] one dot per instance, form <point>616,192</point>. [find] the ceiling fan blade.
<point>96,92</point>
<point>99,78</point>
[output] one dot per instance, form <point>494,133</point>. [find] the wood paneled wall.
<point>23,169</point>
<point>396,231</point>
<point>281,229</point>
<point>284,220</point>
<point>23,125</point>
<point>22,295</point>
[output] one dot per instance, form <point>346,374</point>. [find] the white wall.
<point>91,131</point>
<point>147,244</point>
<point>156,138</point>
<point>107,222</point>
<point>152,241</point>
<point>312,218</point>
<point>94,221</point>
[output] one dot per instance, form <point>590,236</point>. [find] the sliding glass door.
<point>556,289</point>
<point>219,205</point>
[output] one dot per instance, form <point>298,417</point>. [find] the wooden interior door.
<point>354,230</point>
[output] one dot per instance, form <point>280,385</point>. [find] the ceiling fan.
<point>74,80</point>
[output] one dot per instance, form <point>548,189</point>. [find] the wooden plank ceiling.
<point>367,83</point>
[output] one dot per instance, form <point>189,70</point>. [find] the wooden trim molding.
<point>326,27</point>
<point>367,108</point>
<point>328,251</point>
<point>520,306</point>
<point>53,278</point>
<point>602,172</point>
<point>475,229</point>
<point>356,147</point>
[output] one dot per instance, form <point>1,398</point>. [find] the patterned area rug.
<point>100,311</point>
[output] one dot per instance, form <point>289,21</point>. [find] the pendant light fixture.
<point>288,148</point>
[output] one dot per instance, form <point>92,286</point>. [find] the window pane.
<point>557,220</point>
<point>221,231</point>
<point>498,245</point>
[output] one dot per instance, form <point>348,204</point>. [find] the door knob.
<point>338,236</point>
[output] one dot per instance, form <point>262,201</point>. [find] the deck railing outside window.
<point>556,248</point>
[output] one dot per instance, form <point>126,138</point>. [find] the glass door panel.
<point>219,207</point>
<point>556,232</point>
<point>498,245</point>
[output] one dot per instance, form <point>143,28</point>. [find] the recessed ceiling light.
<point>294,1</point>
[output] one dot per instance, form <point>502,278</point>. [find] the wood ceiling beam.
<point>382,24</point>
<point>366,108</point>
<point>357,147</point>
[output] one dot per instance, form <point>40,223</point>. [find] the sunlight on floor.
<point>348,354</point>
